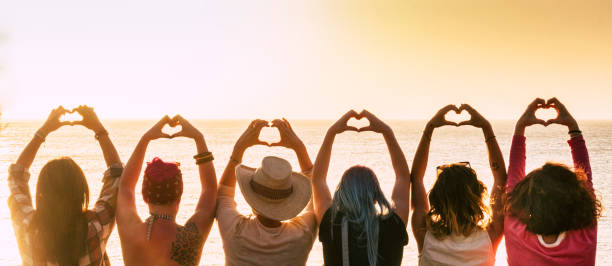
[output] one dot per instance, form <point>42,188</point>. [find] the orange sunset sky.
<point>303,59</point>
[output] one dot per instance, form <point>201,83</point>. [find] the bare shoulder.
<point>187,248</point>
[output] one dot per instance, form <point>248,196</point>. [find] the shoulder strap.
<point>345,248</point>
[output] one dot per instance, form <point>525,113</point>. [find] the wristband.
<point>235,160</point>
<point>40,136</point>
<point>489,138</point>
<point>202,155</point>
<point>205,159</point>
<point>574,132</point>
<point>100,133</point>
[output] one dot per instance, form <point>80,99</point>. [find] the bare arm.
<point>498,169</point>
<point>401,189</point>
<point>127,215</point>
<point>204,215</point>
<point>419,167</point>
<point>249,138</point>
<point>322,198</point>
<point>28,154</point>
<point>91,121</point>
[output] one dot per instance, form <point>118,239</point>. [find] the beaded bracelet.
<point>574,132</point>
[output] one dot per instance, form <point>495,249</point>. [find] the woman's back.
<point>457,249</point>
<point>392,237</point>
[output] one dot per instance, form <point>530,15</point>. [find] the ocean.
<point>449,145</point>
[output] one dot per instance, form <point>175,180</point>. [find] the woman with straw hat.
<point>276,233</point>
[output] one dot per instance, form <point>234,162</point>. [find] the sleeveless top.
<point>392,237</point>
<point>475,249</point>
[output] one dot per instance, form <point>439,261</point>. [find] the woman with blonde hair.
<point>456,230</point>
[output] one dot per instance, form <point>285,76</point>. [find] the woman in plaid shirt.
<point>62,231</point>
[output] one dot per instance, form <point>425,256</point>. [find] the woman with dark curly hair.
<point>459,228</point>
<point>552,212</point>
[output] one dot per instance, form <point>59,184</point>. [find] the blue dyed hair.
<point>359,198</point>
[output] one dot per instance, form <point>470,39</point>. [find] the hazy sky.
<point>303,59</point>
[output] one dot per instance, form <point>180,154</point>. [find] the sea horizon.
<point>449,144</point>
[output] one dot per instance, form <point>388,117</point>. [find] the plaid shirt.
<point>100,220</point>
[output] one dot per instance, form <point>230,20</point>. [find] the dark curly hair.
<point>457,202</point>
<point>554,199</point>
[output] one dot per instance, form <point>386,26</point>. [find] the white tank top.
<point>475,249</point>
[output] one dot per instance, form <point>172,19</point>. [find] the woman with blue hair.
<point>359,226</point>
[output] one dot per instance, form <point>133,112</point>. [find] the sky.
<point>303,59</point>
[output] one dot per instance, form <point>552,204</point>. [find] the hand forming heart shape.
<point>546,112</point>
<point>71,117</point>
<point>459,115</point>
<point>172,128</point>
<point>376,125</point>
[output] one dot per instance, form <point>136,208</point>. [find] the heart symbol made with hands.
<point>172,128</point>
<point>358,122</point>
<point>459,115</point>
<point>546,112</point>
<point>72,117</point>
<point>270,134</point>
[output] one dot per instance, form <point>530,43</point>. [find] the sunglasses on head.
<point>439,168</point>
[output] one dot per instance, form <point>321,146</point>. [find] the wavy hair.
<point>359,198</point>
<point>62,200</point>
<point>554,199</point>
<point>457,202</point>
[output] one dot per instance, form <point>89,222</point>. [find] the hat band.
<point>271,193</point>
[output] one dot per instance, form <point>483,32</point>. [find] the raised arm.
<point>401,190</point>
<point>290,140</point>
<point>91,121</point>
<point>53,123</point>
<point>516,163</point>
<point>249,138</point>
<point>322,198</point>
<point>20,199</point>
<point>577,144</point>
<point>205,210</point>
<point>419,166</point>
<point>498,168</point>
<point>127,215</point>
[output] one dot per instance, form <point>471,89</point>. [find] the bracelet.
<point>101,133</point>
<point>489,138</point>
<point>235,160</point>
<point>574,132</point>
<point>202,155</point>
<point>205,159</point>
<point>40,136</point>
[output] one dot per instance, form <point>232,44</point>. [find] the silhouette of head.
<point>554,199</point>
<point>359,198</point>
<point>457,201</point>
<point>163,182</point>
<point>62,200</point>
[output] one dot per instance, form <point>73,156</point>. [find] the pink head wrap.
<point>163,182</point>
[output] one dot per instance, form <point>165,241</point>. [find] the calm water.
<point>449,145</point>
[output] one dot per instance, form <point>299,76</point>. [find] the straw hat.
<point>273,190</point>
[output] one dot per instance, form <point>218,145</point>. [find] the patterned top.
<point>100,220</point>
